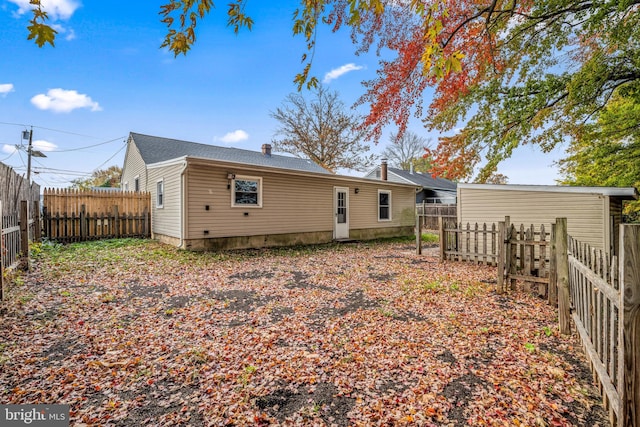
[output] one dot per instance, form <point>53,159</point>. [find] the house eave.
<point>211,162</point>
<point>627,193</point>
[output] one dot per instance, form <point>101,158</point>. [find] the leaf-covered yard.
<point>136,333</point>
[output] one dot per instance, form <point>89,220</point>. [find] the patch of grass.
<point>429,238</point>
<point>432,286</point>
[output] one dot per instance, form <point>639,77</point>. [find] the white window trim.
<point>160,205</point>
<point>125,186</point>
<point>390,210</point>
<point>136,179</point>
<point>233,192</point>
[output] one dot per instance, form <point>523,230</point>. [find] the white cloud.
<point>57,9</point>
<point>5,89</point>
<point>9,149</point>
<point>337,72</point>
<point>233,137</point>
<point>64,101</point>
<point>43,145</point>
<point>68,33</point>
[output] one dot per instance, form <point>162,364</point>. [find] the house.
<point>433,190</point>
<point>206,197</point>
<point>593,213</point>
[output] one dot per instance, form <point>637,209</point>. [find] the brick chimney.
<point>383,170</point>
<point>266,150</point>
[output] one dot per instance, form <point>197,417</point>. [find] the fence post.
<point>553,270</point>
<point>501,254</point>
<point>442,237</point>
<point>37,226</point>
<point>2,294</point>
<point>83,223</point>
<point>24,234</point>
<point>629,325</point>
<point>418,236</point>
<point>562,271</point>
<point>116,221</point>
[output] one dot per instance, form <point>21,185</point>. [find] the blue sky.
<point>107,77</point>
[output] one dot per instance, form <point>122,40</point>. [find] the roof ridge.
<point>217,146</point>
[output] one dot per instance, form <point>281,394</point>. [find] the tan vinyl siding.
<point>587,217</point>
<point>166,220</point>
<point>133,166</point>
<point>290,204</point>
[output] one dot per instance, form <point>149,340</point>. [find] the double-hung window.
<point>160,194</point>
<point>247,192</point>
<point>384,205</point>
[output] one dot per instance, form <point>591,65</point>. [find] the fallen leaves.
<point>346,335</point>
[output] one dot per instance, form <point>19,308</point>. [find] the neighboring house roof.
<point>154,149</point>
<point>623,192</point>
<point>424,180</point>
<point>418,179</point>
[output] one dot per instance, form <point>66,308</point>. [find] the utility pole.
<point>30,147</point>
<point>31,153</point>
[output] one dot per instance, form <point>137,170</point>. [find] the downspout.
<point>183,201</point>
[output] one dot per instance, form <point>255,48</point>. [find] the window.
<point>125,186</point>
<point>247,192</point>
<point>136,183</point>
<point>384,205</point>
<point>160,194</point>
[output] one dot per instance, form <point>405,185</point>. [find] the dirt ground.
<point>137,333</point>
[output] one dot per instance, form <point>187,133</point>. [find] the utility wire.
<point>44,128</point>
<point>107,161</point>
<point>89,146</point>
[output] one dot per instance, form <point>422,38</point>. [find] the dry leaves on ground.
<point>137,333</point>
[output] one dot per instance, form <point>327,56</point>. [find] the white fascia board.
<point>605,191</point>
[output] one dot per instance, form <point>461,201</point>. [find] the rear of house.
<point>249,201</point>
<point>593,213</point>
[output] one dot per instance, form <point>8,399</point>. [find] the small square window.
<point>160,194</point>
<point>384,205</point>
<point>247,192</point>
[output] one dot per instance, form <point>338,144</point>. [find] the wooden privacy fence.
<point>94,201</point>
<point>428,214</point>
<point>74,216</point>
<point>14,188</point>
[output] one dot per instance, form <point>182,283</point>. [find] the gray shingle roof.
<point>154,149</point>
<point>425,180</point>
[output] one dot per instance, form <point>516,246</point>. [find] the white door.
<point>341,213</point>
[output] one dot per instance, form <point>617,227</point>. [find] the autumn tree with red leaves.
<point>506,72</point>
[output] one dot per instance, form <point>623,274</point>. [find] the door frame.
<point>340,230</point>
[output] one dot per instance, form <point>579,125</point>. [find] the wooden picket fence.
<point>599,294</point>
<point>605,293</point>
<point>75,216</point>
<point>16,231</point>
